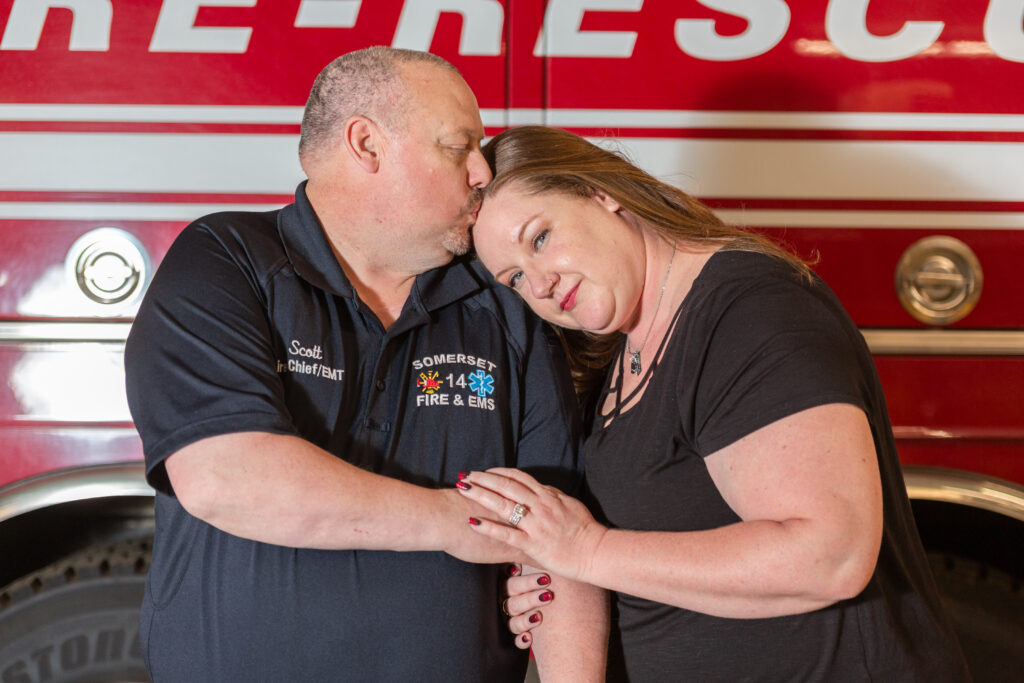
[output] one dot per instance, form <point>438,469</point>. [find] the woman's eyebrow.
<point>524,225</point>
<point>519,240</point>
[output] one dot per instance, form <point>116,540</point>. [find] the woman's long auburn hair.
<point>539,160</point>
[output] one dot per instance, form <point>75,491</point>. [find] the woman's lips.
<point>570,299</point>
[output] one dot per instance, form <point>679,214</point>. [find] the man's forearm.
<point>286,491</point>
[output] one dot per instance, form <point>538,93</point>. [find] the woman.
<point>751,520</point>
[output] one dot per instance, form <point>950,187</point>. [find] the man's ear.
<point>361,140</point>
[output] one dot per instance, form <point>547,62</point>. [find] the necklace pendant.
<point>634,363</point>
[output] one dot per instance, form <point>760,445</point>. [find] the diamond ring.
<point>517,514</point>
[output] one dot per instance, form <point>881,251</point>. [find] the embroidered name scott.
<point>298,363</point>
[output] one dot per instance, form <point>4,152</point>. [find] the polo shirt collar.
<point>308,249</point>
<point>441,286</point>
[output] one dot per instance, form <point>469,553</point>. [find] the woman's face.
<point>577,262</point>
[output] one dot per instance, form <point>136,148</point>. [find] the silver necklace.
<point>634,354</point>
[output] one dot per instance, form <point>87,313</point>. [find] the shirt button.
<point>381,385</point>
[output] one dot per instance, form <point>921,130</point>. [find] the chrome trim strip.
<point>965,488</point>
<point>64,331</point>
<point>66,486</point>
<point>945,342</point>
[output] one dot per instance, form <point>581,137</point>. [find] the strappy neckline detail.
<point>604,420</point>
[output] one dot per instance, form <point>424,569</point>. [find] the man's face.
<point>436,165</point>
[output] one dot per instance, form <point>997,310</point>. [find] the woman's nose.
<point>542,284</point>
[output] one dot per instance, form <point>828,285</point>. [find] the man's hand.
<point>457,538</point>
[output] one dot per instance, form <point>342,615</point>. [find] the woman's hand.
<point>555,530</point>
<point>526,595</point>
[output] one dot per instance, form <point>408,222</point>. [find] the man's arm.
<point>286,491</point>
<point>208,400</point>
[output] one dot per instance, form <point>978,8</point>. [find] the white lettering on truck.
<point>846,27</point>
<point>482,21</point>
<point>767,22</point>
<point>561,34</point>
<point>90,26</point>
<point>176,30</point>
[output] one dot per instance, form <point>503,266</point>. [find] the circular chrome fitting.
<point>109,265</point>
<point>938,280</point>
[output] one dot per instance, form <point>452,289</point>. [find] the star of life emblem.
<point>481,383</point>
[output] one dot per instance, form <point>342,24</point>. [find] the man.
<point>305,380</point>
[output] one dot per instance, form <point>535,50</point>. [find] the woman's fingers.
<point>517,475</point>
<point>523,603</point>
<point>507,487</point>
<point>499,532</point>
<point>502,507</point>
<point>524,641</point>
<point>524,623</point>
<point>507,498</point>
<point>522,585</point>
<point>526,595</point>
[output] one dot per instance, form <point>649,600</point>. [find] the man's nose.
<point>479,170</point>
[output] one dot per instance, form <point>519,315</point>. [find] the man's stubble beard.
<point>458,240</point>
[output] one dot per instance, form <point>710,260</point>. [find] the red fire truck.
<point>884,136</point>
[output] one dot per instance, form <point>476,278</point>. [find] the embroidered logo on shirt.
<point>428,382</point>
<point>481,384</point>
<point>451,386</point>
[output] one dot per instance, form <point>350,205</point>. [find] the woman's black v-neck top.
<point>754,343</point>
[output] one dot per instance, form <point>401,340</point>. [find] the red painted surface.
<point>281,60</point>
<point>859,264</point>
<point>958,412</point>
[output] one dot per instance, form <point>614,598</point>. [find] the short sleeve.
<point>199,360</point>
<point>776,348</point>
<point>550,429</point>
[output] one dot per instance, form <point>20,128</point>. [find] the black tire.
<point>986,607</point>
<point>77,621</point>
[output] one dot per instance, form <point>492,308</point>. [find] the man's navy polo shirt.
<point>251,325</point>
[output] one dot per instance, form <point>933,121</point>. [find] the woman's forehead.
<point>501,213</point>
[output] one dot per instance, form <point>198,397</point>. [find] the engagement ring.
<point>517,514</point>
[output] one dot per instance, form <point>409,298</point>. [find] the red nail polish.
<point>513,570</point>
<point>544,580</point>
<point>534,618</point>
<point>462,485</point>
<point>463,475</point>
<point>546,596</point>
<point>474,521</point>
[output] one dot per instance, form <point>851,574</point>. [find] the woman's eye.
<point>540,239</point>
<point>514,281</point>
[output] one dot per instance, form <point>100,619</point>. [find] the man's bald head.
<point>366,82</point>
